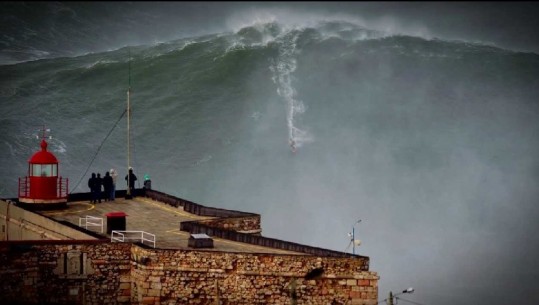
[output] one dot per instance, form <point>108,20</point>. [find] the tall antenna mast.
<point>128,194</point>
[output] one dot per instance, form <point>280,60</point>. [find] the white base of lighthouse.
<point>43,201</point>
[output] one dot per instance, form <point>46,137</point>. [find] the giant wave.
<point>386,125</point>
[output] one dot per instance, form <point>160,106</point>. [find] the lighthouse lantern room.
<point>43,187</point>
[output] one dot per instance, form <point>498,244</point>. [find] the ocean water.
<point>432,143</point>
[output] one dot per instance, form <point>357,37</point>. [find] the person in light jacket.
<point>114,175</point>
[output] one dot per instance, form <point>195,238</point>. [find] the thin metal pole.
<point>128,193</point>
<point>353,240</point>
<point>128,151</point>
<point>354,236</point>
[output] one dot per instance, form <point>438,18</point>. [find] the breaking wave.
<point>248,91</point>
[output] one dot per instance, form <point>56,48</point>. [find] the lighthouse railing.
<point>63,187</point>
<point>24,187</point>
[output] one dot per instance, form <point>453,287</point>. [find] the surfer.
<point>292,145</point>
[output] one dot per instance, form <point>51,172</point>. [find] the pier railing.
<point>90,221</point>
<point>132,236</point>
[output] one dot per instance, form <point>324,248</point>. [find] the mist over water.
<point>432,143</point>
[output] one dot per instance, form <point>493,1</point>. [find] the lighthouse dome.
<point>43,156</point>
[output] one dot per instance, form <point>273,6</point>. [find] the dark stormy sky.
<point>61,29</point>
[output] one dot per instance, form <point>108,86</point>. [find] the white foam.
<point>282,70</point>
<point>100,62</point>
<point>291,19</point>
<point>58,146</point>
<point>203,160</point>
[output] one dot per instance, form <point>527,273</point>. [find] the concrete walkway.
<point>153,217</point>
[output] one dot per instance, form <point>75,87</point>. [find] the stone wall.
<point>198,277</point>
<point>248,224</point>
<point>91,273</point>
<point>48,272</point>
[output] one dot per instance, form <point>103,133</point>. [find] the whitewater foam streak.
<point>282,70</point>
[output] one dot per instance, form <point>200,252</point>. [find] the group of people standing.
<point>103,188</point>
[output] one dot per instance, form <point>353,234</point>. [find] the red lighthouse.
<point>42,187</point>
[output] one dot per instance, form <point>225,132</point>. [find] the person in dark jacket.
<point>91,185</point>
<point>107,185</point>
<point>98,184</point>
<point>131,181</point>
